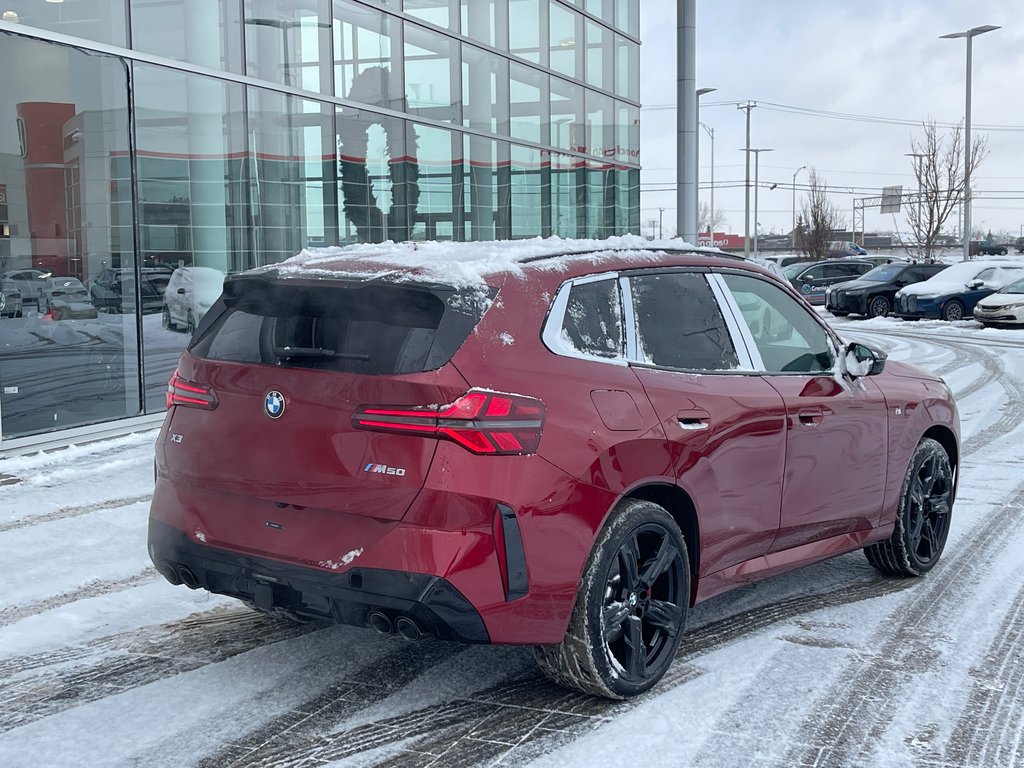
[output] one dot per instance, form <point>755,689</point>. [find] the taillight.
<point>181,391</point>
<point>480,421</point>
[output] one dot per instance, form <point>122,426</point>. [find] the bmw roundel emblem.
<point>273,404</point>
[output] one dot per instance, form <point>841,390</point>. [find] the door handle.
<point>694,419</point>
<point>810,417</point>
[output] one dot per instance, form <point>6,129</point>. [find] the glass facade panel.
<point>603,9</point>
<point>378,177</point>
<point>627,133</point>
<point>439,12</point>
<point>438,158</point>
<point>529,97</point>
<point>66,218</point>
<point>100,20</point>
<point>203,33</point>
<point>288,42</point>
<point>431,74</point>
<point>486,21</point>
<point>485,189</point>
<point>567,116</point>
<point>367,56</point>
<point>194,187</point>
<point>601,198</point>
<point>627,16</point>
<point>530,191</point>
<point>526,34</point>
<point>568,196</point>
<point>600,125</point>
<point>600,56</point>
<point>627,68</point>
<point>485,91</point>
<point>564,38</point>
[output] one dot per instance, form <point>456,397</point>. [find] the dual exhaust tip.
<point>179,574</point>
<point>403,625</point>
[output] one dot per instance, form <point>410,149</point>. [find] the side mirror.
<point>864,360</point>
<point>974,284</point>
<point>181,291</point>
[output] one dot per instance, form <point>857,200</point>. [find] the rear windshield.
<point>335,325</point>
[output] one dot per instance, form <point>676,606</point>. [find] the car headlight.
<point>1018,305</point>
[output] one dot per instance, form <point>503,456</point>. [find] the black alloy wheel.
<point>878,307</point>
<point>629,615</point>
<point>923,518</point>
<point>953,310</point>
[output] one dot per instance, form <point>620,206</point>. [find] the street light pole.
<point>969,34</point>
<point>746,182</point>
<point>696,162</point>
<point>757,157</point>
<point>793,231</point>
<point>711,212</point>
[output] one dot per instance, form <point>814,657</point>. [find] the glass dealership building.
<point>142,139</point>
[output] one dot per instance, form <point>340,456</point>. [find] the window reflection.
<point>436,156</point>
<point>63,361</point>
<point>287,42</point>
<point>528,94</point>
<point>366,51</point>
<point>431,72</point>
<point>485,91</point>
<point>525,33</point>
<point>528,196</point>
<point>99,20</point>
<point>568,196</point>
<point>565,40</point>
<point>486,21</point>
<point>207,33</point>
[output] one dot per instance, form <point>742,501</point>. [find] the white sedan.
<point>1005,306</point>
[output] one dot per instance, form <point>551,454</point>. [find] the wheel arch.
<point>944,436</point>
<point>677,503</point>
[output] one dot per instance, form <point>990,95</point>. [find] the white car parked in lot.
<point>190,292</point>
<point>1004,307</point>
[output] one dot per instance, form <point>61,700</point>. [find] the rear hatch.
<point>264,398</point>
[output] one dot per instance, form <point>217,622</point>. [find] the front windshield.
<point>1014,287</point>
<point>883,273</point>
<point>793,270</point>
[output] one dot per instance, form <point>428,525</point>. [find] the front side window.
<point>787,337</point>
<point>679,323</point>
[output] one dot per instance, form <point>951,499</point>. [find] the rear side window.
<point>593,323</point>
<point>679,323</point>
<point>342,326</point>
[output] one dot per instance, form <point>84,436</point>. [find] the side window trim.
<point>552,334</point>
<point>743,339</point>
<point>629,320</point>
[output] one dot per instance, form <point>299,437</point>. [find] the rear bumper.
<point>436,606</point>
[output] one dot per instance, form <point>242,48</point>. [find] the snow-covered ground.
<point>102,663</point>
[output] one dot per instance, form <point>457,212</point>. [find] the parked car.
<point>839,248</point>
<point>341,443</point>
<point>812,278</point>
<point>65,298</point>
<point>10,299</point>
<point>873,294</point>
<point>1019,244</point>
<point>190,293</point>
<point>981,248</point>
<point>29,282</point>
<point>952,294</point>
<point>114,290</point>
<point>884,258</point>
<point>1004,307</point>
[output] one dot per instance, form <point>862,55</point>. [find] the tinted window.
<point>789,339</point>
<point>347,327</point>
<point>679,323</point>
<point>592,322</point>
<point>884,273</point>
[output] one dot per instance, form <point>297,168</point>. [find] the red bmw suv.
<point>557,443</point>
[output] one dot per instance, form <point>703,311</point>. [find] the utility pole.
<point>793,235</point>
<point>757,157</point>
<point>660,211</point>
<point>711,213</point>
<point>746,182</point>
<point>686,119</point>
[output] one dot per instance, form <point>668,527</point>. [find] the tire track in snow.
<point>75,511</point>
<point>96,588</point>
<point>851,713</point>
<point>990,730</point>
<point>37,686</point>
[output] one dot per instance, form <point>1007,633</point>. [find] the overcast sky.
<point>870,58</point>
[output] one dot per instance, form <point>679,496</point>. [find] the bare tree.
<point>938,163</point>
<point>706,221</point>
<point>820,219</point>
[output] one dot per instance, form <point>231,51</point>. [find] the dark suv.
<point>813,278</point>
<point>981,248</point>
<point>563,444</point>
<point>873,293</point>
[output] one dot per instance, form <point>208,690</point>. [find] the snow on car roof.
<point>469,264</point>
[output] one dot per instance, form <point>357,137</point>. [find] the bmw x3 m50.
<point>563,444</point>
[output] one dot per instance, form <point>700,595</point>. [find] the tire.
<point>879,306</point>
<point>953,310</point>
<point>839,312</point>
<point>923,516</point>
<point>634,594</point>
